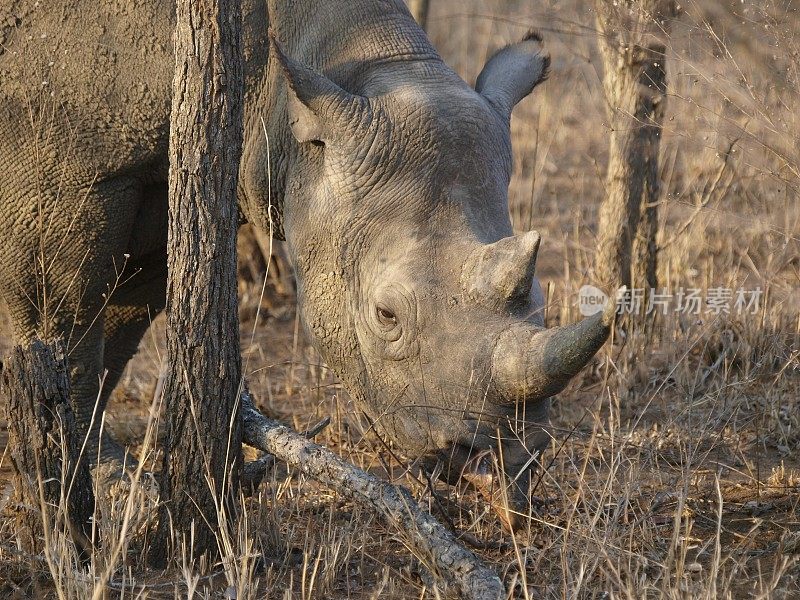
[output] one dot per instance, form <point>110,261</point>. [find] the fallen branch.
<point>254,472</point>
<point>423,534</point>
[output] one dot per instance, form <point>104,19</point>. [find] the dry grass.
<point>675,468</point>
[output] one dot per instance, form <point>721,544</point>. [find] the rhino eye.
<point>386,317</point>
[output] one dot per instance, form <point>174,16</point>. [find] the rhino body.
<point>387,176</point>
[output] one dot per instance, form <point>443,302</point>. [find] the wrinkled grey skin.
<point>389,180</point>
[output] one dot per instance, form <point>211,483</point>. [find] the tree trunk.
<point>653,100</point>
<point>202,456</point>
<point>419,9</point>
<point>632,44</point>
<point>52,483</point>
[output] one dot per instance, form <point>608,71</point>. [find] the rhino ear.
<point>319,110</point>
<point>513,72</point>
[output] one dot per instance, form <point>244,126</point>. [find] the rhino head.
<point>411,283</point>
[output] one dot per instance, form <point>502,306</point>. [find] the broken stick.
<point>424,535</point>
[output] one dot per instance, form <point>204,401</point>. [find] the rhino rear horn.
<point>319,110</point>
<point>500,275</point>
<point>513,72</point>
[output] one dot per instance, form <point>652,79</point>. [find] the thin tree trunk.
<point>202,456</point>
<point>52,483</point>
<point>419,9</point>
<point>633,50</point>
<point>645,247</point>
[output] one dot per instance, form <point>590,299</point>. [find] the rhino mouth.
<point>507,492</point>
<point>502,478</point>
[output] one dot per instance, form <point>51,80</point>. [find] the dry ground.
<point>675,468</point>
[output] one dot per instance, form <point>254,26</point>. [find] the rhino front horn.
<point>500,275</point>
<point>530,363</point>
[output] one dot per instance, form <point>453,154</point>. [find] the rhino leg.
<point>128,316</point>
<point>60,254</point>
<point>85,361</point>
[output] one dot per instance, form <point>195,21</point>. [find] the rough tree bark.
<point>52,483</point>
<point>419,8</point>
<point>632,42</point>
<point>202,456</point>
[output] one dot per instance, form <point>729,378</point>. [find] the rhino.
<point>386,174</point>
